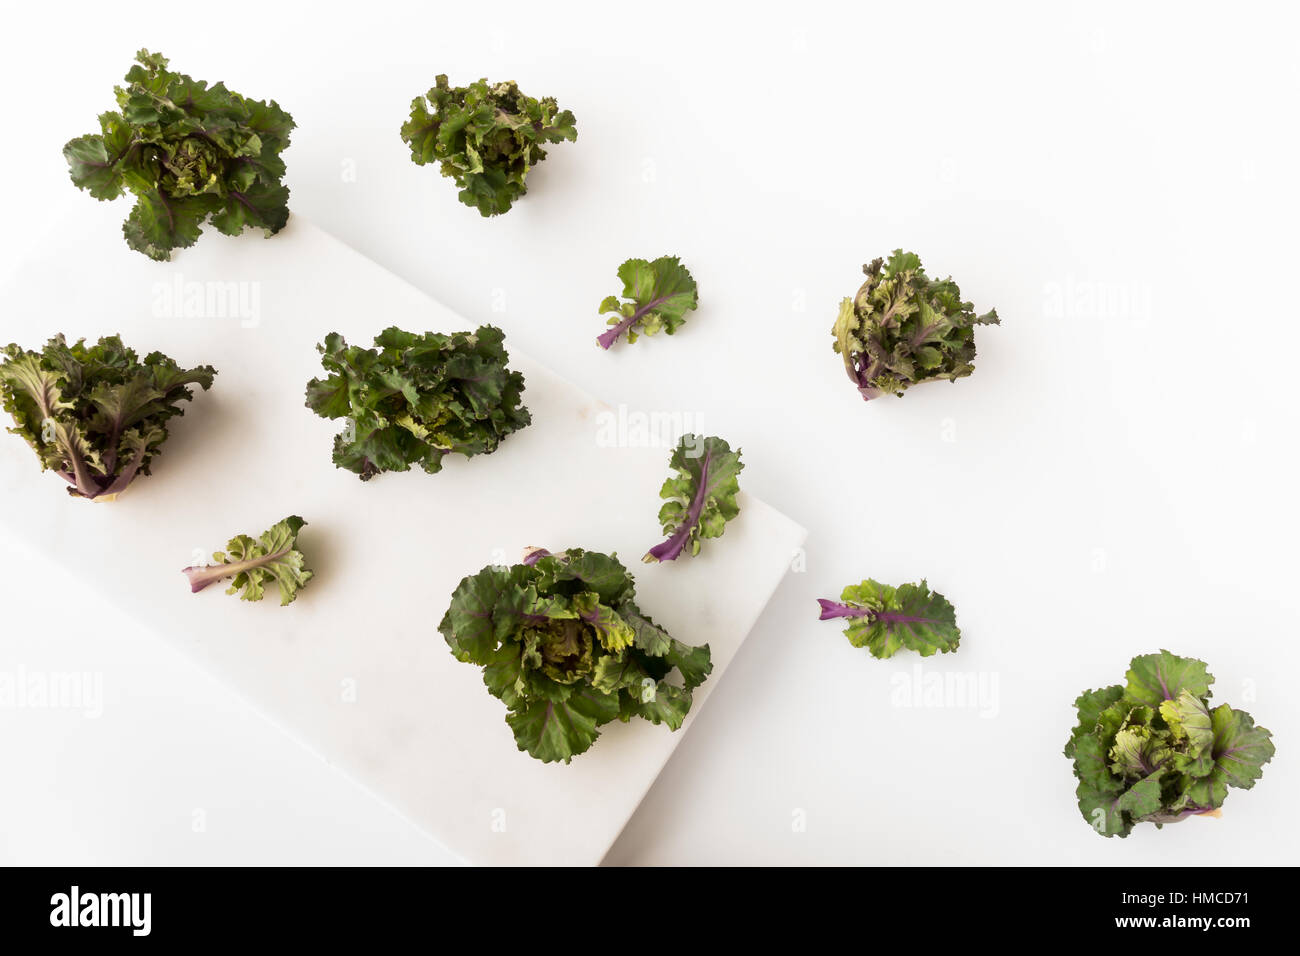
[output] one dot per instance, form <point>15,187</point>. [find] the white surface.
<point>355,667</point>
<point>1117,179</point>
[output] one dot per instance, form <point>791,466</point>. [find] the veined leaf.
<point>886,619</point>
<point>701,496</point>
<point>273,558</point>
<point>658,295</point>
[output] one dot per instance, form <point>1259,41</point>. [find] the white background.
<point>1118,475</point>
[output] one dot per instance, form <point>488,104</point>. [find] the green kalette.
<point>273,558</point>
<point>904,328</point>
<point>487,137</point>
<point>1154,751</point>
<point>656,297</point>
<point>700,496</point>
<point>564,646</point>
<point>417,398</point>
<point>97,414</point>
<point>886,619</point>
<point>188,152</point>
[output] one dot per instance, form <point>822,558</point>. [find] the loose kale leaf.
<point>485,137</point>
<point>701,496</point>
<point>1153,751</point>
<point>658,294</point>
<point>188,152</point>
<point>565,647</point>
<point>416,398</point>
<point>885,619</point>
<point>274,557</point>
<point>95,415</point>
<point>904,328</point>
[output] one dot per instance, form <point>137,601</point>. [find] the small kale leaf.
<point>565,647</point>
<point>701,495</point>
<point>658,295</point>
<point>487,137</point>
<point>95,414</point>
<point>886,619</point>
<point>904,328</point>
<point>1154,751</point>
<point>274,557</point>
<point>416,398</point>
<point>189,153</point>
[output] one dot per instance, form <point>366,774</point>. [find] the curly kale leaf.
<point>189,153</point>
<point>701,496</point>
<point>565,647</point>
<point>904,328</point>
<point>486,137</point>
<point>1154,751</point>
<point>416,398</point>
<point>96,415</point>
<point>886,619</point>
<point>658,294</point>
<point>274,557</point>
